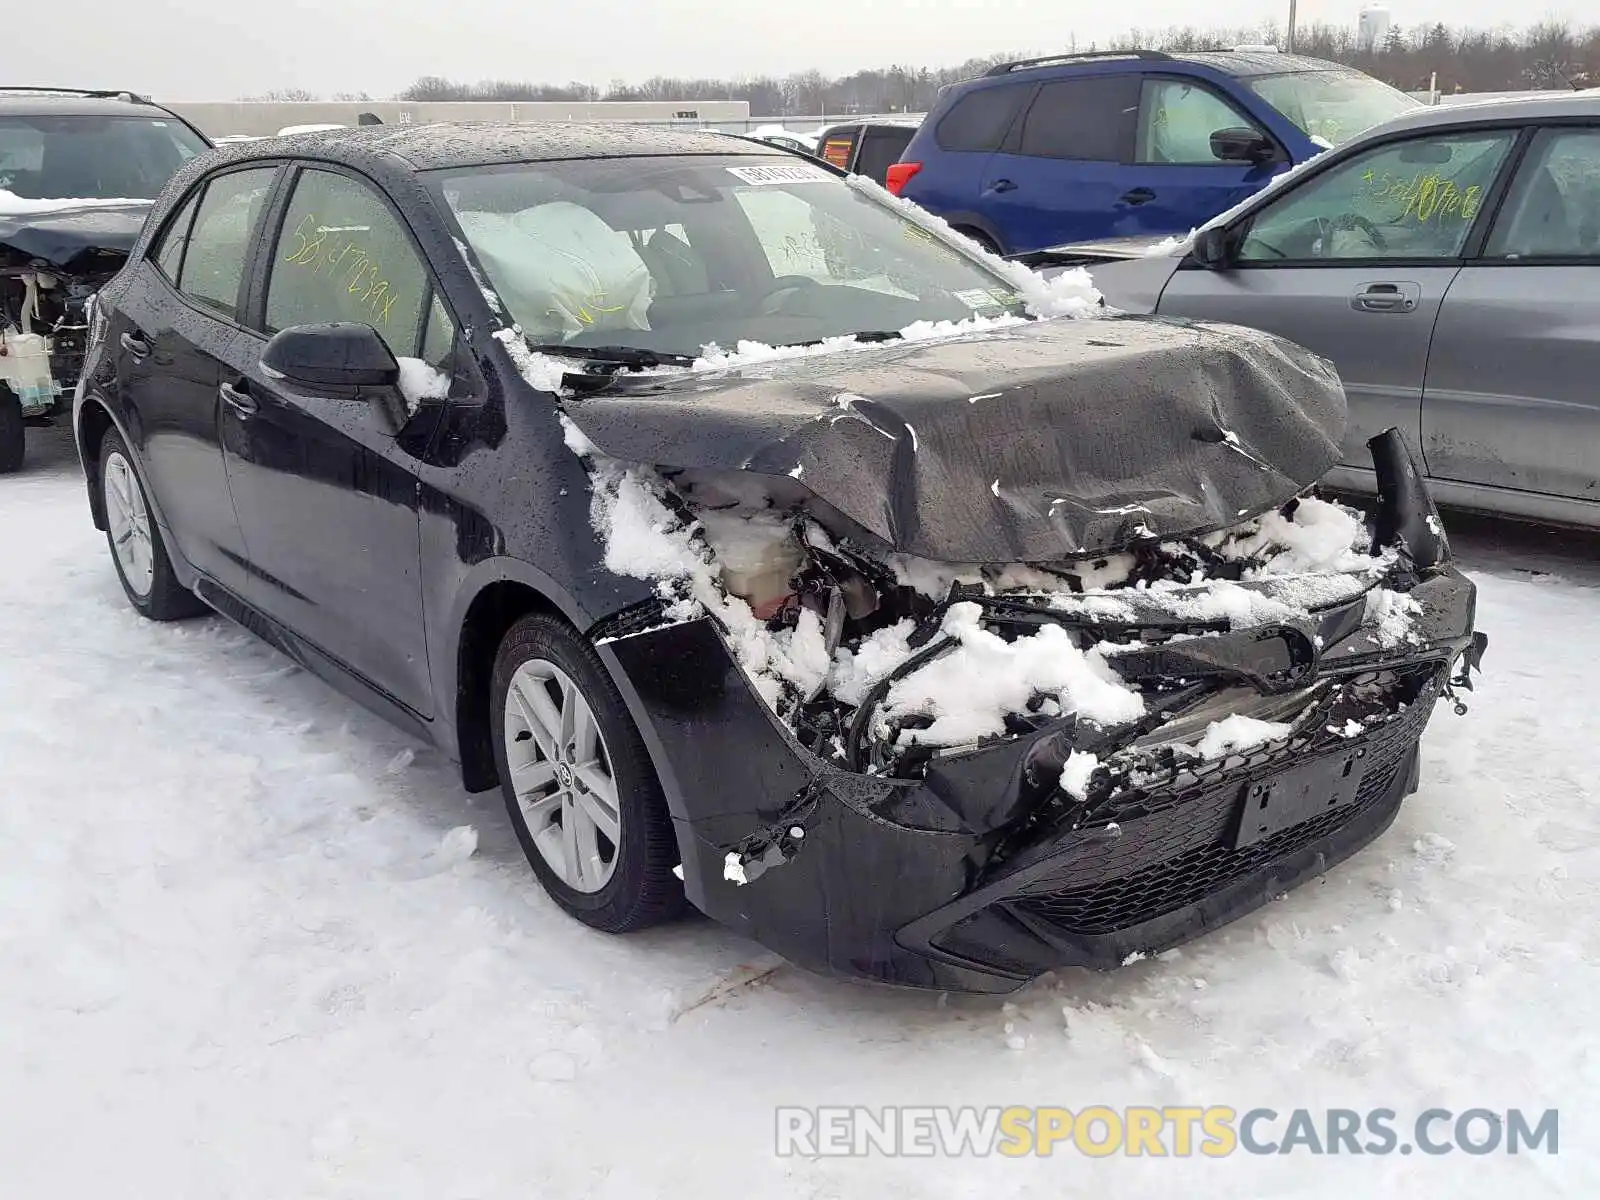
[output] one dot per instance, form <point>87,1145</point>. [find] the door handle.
<point>135,345</point>
<point>1002,185</point>
<point>1384,297</point>
<point>239,400</point>
<point>1138,196</point>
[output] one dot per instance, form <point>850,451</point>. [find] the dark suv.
<point>435,410</point>
<point>1089,146</point>
<point>78,170</point>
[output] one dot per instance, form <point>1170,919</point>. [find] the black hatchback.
<point>769,546</point>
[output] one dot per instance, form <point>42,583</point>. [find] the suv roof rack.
<point>1024,64</point>
<point>86,93</point>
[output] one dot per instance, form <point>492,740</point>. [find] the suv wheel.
<point>977,235</point>
<point>13,435</point>
<point>137,550</point>
<point>578,784</point>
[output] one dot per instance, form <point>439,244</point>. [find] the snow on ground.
<point>256,944</point>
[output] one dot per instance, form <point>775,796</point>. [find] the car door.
<point>327,496</point>
<point>170,330</point>
<point>1353,263</point>
<point>1176,176</point>
<point>1061,175</point>
<point>1513,389</point>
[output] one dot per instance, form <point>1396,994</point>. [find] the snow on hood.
<point>1039,442</point>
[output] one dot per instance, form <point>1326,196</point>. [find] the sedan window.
<point>1554,207</point>
<point>1412,199</point>
<point>672,254</point>
<point>344,256</point>
<point>213,265</point>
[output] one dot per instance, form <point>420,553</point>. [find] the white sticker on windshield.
<point>984,298</point>
<point>786,173</point>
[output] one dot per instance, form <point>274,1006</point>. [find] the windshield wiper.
<point>622,356</point>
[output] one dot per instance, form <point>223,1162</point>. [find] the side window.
<point>980,119</point>
<point>1553,210</point>
<point>1176,120</point>
<point>342,255</point>
<point>1413,199</point>
<point>220,240</point>
<point>438,336</point>
<point>169,255</point>
<point>1088,119</point>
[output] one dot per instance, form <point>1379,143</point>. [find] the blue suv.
<point>1084,147</point>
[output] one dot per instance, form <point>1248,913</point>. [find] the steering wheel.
<point>770,303</point>
<point>1352,222</point>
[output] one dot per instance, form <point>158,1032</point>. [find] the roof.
<point>479,143</point>
<point>1247,63</point>
<point>1534,106</point>
<point>62,104</point>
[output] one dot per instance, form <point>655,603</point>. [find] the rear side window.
<point>1554,207</point>
<point>169,257</point>
<point>980,119</point>
<point>344,256</point>
<point>882,148</point>
<point>219,243</point>
<point>1090,118</point>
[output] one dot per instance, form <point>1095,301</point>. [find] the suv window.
<point>979,120</point>
<point>45,157</point>
<point>219,244</point>
<point>1176,120</point>
<point>1082,118</point>
<point>342,255</point>
<point>1554,207</point>
<point>1412,199</point>
<point>880,150</point>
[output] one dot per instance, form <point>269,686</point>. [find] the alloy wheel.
<point>129,522</point>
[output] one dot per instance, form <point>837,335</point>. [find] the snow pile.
<point>544,372</point>
<point>1167,246</point>
<point>1394,614</point>
<point>970,691</point>
<point>1318,536</point>
<point>1238,733</point>
<point>13,205</point>
<point>419,382</point>
<point>746,353</point>
<point>1078,772</point>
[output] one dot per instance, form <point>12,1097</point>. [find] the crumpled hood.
<point>1037,443</point>
<point>69,238</point>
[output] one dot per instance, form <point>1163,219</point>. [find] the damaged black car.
<point>771,548</point>
<point>78,171</point>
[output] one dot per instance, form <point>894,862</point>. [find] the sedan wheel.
<point>562,776</point>
<point>128,523</point>
<point>579,786</point>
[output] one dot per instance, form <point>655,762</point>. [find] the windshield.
<point>671,255</point>
<point>92,158</point>
<point>1334,106</point>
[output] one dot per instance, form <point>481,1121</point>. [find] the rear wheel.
<point>137,549</point>
<point>984,241</point>
<point>13,435</point>
<point>581,792</point>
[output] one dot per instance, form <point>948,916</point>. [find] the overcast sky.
<point>224,49</point>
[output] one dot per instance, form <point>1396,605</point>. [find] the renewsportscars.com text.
<point>1159,1132</point>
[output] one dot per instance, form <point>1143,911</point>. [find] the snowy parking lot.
<point>255,943</point>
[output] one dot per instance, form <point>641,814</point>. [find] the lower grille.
<point>1190,868</point>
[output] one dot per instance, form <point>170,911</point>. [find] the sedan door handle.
<point>1386,297</point>
<point>240,401</point>
<point>135,345</point>
<point>1138,196</point>
<point>1002,185</point>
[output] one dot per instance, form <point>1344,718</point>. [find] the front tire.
<point>578,783</point>
<point>13,433</point>
<point>137,549</point>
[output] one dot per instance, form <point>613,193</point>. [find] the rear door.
<point>327,497</point>
<point>170,331</point>
<point>1061,176</point>
<point>1353,263</point>
<point>1513,390</point>
<point>953,151</point>
<point>1176,182</point>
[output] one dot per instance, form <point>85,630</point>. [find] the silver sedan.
<point>1448,263</point>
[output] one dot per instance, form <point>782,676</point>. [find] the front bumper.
<point>954,881</point>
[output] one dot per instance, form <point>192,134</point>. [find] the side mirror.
<point>339,355</point>
<point>1213,249</point>
<point>1242,144</point>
